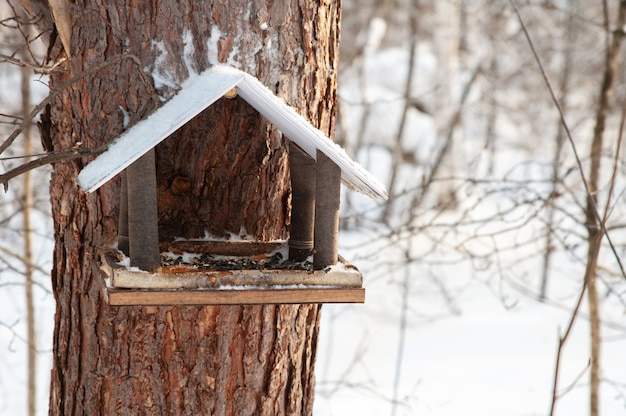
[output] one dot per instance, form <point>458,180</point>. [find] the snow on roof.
<point>198,93</point>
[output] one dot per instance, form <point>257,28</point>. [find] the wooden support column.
<point>327,195</point>
<point>143,231</point>
<point>122,228</point>
<point>302,172</point>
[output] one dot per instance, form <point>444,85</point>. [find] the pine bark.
<point>184,360</point>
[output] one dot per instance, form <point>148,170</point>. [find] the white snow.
<point>338,267</point>
<point>126,116</point>
<point>242,235</point>
<point>212,45</point>
<point>188,53</point>
<point>488,349</point>
<point>161,74</point>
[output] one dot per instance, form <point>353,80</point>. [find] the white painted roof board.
<point>196,95</point>
<point>199,93</point>
<point>309,138</point>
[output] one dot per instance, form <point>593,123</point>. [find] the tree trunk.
<point>28,196</point>
<point>185,360</point>
<point>594,229</point>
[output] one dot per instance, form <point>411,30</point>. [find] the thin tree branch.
<point>591,211</point>
<point>428,178</point>
<point>589,193</point>
<point>616,163</point>
<point>396,153</point>
<point>38,69</point>
<point>39,107</point>
<point>572,385</point>
<point>52,157</point>
<point>562,341</point>
<point>18,336</point>
<point>406,283</point>
<point>569,39</point>
<point>21,258</point>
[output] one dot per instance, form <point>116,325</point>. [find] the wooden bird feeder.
<point>314,223</point>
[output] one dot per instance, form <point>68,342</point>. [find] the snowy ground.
<point>477,340</point>
<point>490,352</point>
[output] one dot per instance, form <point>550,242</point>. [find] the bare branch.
<point>590,195</point>
<point>39,107</point>
<point>37,68</point>
<point>51,157</point>
<point>17,336</point>
<point>21,258</point>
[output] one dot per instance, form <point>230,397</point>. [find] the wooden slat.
<point>126,297</point>
<point>193,279</point>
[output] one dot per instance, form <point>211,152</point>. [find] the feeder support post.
<point>122,228</point>
<point>327,195</point>
<point>302,172</point>
<point>143,230</point>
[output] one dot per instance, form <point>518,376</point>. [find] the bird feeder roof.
<point>198,93</point>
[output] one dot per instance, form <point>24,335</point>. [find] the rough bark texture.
<point>185,360</point>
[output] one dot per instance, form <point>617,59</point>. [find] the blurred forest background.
<point>492,286</point>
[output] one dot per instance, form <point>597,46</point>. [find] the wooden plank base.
<point>126,297</point>
<point>188,278</point>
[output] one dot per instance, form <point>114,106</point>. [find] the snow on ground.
<point>491,353</point>
<point>477,341</point>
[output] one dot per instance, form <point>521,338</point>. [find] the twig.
<point>18,336</point>
<point>556,161</point>
<point>39,107</point>
<point>396,153</point>
<point>25,156</point>
<point>37,68</point>
<point>356,358</point>
<point>572,385</point>
<point>51,157</point>
<point>562,341</point>
<point>10,116</point>
<point>616,163</point>
<point>21,258</point>
<point>591,199</point>
<point>591,211</point>
<point>428,178</point>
